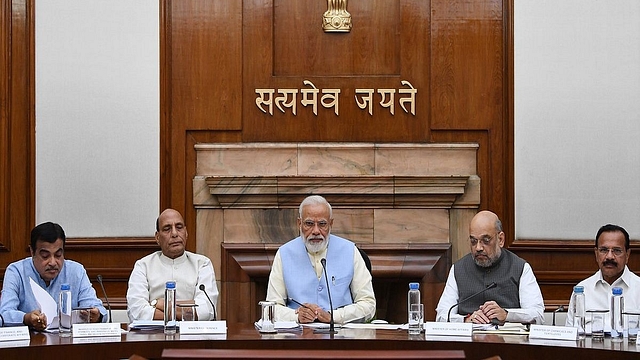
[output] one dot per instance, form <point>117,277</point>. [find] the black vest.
<point>471,278</point>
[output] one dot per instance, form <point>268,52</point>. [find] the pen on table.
<point>299,303</point>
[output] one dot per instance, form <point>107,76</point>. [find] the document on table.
<point>147,325</point>
<point>281,326</point>
<point>375,326</point>
<point>47,305</point>
<point>506,329</point>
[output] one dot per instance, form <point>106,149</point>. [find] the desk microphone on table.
<point>215,315</point>
<point>490,286</point>
<point>323,261</point>
<point>105,296</point>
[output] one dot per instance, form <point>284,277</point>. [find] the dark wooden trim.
<point>165,105</point>
<point>283,354</point>
<point>112,243</point>
<point>509,217</point>
<point>560,264</point>
<point>17,131</point>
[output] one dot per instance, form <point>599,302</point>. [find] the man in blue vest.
<point>297,283</point>
<point>516,297</point>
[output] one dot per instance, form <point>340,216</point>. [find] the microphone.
<point>559,309</point>
<point>105,296</point>
<point>323,261</point>
<point>215,315</point>
<point>490,286</point>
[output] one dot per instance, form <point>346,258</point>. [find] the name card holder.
<point>96,329</point>
<point>448,328</point>
<point>14,333</point>
<point>553,332</point>
<point>203,327</point>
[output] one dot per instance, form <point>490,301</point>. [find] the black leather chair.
<point>367,262</point>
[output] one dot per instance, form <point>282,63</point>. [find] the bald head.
<point>486,219</point>
<point>486,238</point>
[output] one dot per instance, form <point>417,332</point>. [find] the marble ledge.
<point>339,159</point>
<point>341,191</point>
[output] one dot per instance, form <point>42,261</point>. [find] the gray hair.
<point>315,200</point>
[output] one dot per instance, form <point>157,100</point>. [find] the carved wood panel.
<point>246,267</point>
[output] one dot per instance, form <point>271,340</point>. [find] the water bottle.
<point>170,323</point>
<point>64,311</point>
<point>617,308</point>
<point>578,310</point>
<point>415,309</point>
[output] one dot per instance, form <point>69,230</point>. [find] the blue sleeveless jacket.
<point>301,280</point>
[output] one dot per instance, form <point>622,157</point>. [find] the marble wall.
<point>381,193</point>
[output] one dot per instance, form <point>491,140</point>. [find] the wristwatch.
<point>154,302</point>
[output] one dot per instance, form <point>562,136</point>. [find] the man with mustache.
<point>517,296</point>
<point>145,294</point>
<point>48,268</point>
<point>297,274</point>
<point>612,253</point>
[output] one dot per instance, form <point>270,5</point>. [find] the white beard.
<point>315,247</point>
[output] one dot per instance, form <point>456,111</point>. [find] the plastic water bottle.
<point>64,311</point>
<point>170,323</point>
<point>578,310</point>
<point>617,308</point>
<point>415,309</point>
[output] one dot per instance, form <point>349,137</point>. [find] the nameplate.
<point>96,339</point>
<point>96,329</point>
<point>448,328</point>
<point>553,332</point>
<point>14,333</point>
<point>203,327</point>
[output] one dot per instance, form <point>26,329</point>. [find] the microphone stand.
<point>490,286</point>
<point>559,309</point>
<point>215,315</point>
<point>332,331</point>
<point>105,296</point>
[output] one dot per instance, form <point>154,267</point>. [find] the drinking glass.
<point>597,324</point>
<point>188,311</point>
<point>632,325</point>
<point>267,322</point>
<point>80,316</point>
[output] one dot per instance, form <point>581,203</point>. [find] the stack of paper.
<point>147,325</point>
<point>282,326</point>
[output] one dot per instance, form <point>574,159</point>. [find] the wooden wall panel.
<point>205,66</point>
<point>17,150</point>
<point>561,264</point>
<point>375,57</point>
<point>296,37</point>
<point>467,64</point>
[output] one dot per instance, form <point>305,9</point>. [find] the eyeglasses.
<point>486,240</point>
<point>310,224</point>
<point>615,251</point>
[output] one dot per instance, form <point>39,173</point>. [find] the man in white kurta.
<point>145,295</point>
<point>612,252</point>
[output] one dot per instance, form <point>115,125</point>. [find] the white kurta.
<point>150,274</point>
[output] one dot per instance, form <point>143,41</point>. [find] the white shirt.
<point>531,303</point>
<point>364,300</point>
<point>597,295</point>
<point>150,274</point>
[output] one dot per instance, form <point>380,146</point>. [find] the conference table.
<point>244,337</point>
